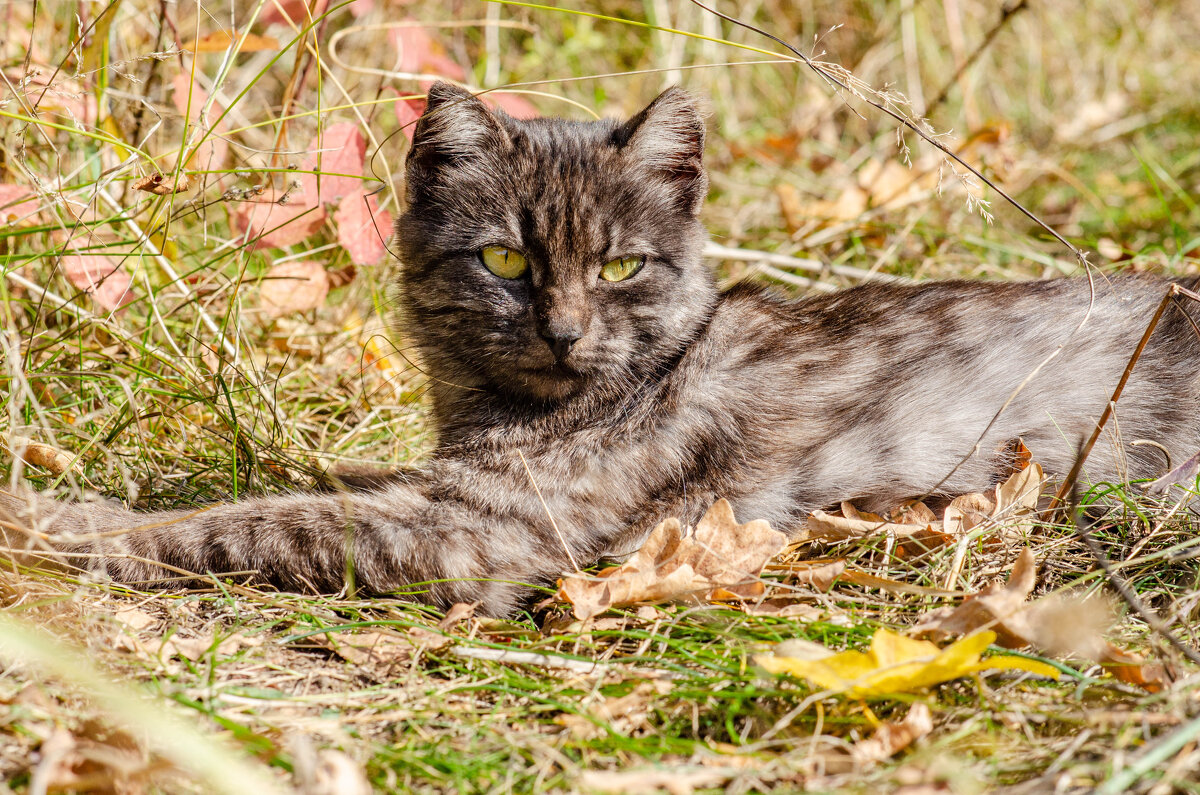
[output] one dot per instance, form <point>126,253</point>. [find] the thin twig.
<point>1007,12</point>
<point>1069,483</point>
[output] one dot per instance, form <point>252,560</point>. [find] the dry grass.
<point>193,393</point>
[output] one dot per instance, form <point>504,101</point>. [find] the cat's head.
<point>544,258</point>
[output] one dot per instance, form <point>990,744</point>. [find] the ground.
<point>190,314</point>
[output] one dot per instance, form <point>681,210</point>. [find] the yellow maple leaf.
<point>896,664</point>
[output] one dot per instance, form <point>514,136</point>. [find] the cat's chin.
<point>550,385</point>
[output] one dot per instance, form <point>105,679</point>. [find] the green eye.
<point>621,269</point>
<point>504,262</point>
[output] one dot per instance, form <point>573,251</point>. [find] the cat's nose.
<point>561,342</point>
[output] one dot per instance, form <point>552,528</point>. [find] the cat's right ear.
<point>667,140</point>
<point>455,127</point>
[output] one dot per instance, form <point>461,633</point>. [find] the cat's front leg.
<point>404,540</point>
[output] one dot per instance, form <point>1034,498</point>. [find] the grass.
<point>193,393</point>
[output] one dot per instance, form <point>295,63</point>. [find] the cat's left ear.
<point>667,139</point>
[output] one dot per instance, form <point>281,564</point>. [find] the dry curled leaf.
<point>41,455</point>
<point>896,664</point>
<point>721,558</point>
<point>1000,608</point>
<point>891,738</point>
<point>294,287</point>
<point>1059,624</point>
<point>163,184</point>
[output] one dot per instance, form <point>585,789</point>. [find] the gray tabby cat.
<point>553,283</point>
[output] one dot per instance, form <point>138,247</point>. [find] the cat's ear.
<point>455,126</point>
<point>667,139</point>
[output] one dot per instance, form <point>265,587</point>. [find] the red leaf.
<point>407,113</point>
<point>101,276</point>
<point>295,10</point>
<point>17,203</point>
<point>420,52</point>
<point>274,225</point>
<point>363,228</point>
<point>211,154</point>
<point>294,287</point>
<point>342,150</point>
<point>514,105</point>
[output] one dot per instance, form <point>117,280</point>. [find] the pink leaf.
<point>420,52</point>
<point>212,153</point>
<point>101,277</point>
<point>363,228</point>
<point>274,225</point>
<point>294,287</point>
<point>343,150</point>
<point>295,10</point>
<point>514,105</point>
<point>407,113</point>
<point>17,203</point>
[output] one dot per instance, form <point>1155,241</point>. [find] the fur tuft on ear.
<point>667,139</point>
<point>455,124</point>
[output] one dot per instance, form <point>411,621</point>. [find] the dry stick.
<point>1006,13</point>
<point>1118,582</point>
<point>1069,483</point>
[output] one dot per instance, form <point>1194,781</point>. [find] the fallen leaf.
<point>408,112</point>
<point>17,203</point>
<point>363,228</point>
<point>163,184</point>
<point>294,287</point>
<point>222,40</point>
<point>1059,625</point>
<point>514,105</point>
<point>295,11</point>
<point>820,577</point>
<point>458,612</point>
<point>783,608</point>
<point>831,527</point>
<point>41,455</point>
<point>419,52</point>
<point>134,618</point>
<point>187,95</point>
<point>966,512</point>
<point>339,154</point>
<point>195,648</point>
<point>337,774</point>
<point>101,277</point>
<point>896,664</point>
<point>721,555</point>
<point>285,221</point>
<point>1019,494</point>
<point>1000,608</point>
<point>1183,475</point>
<point>363,648</point>
<point>891,738</point>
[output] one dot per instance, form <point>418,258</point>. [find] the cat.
<point>588,379</point>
